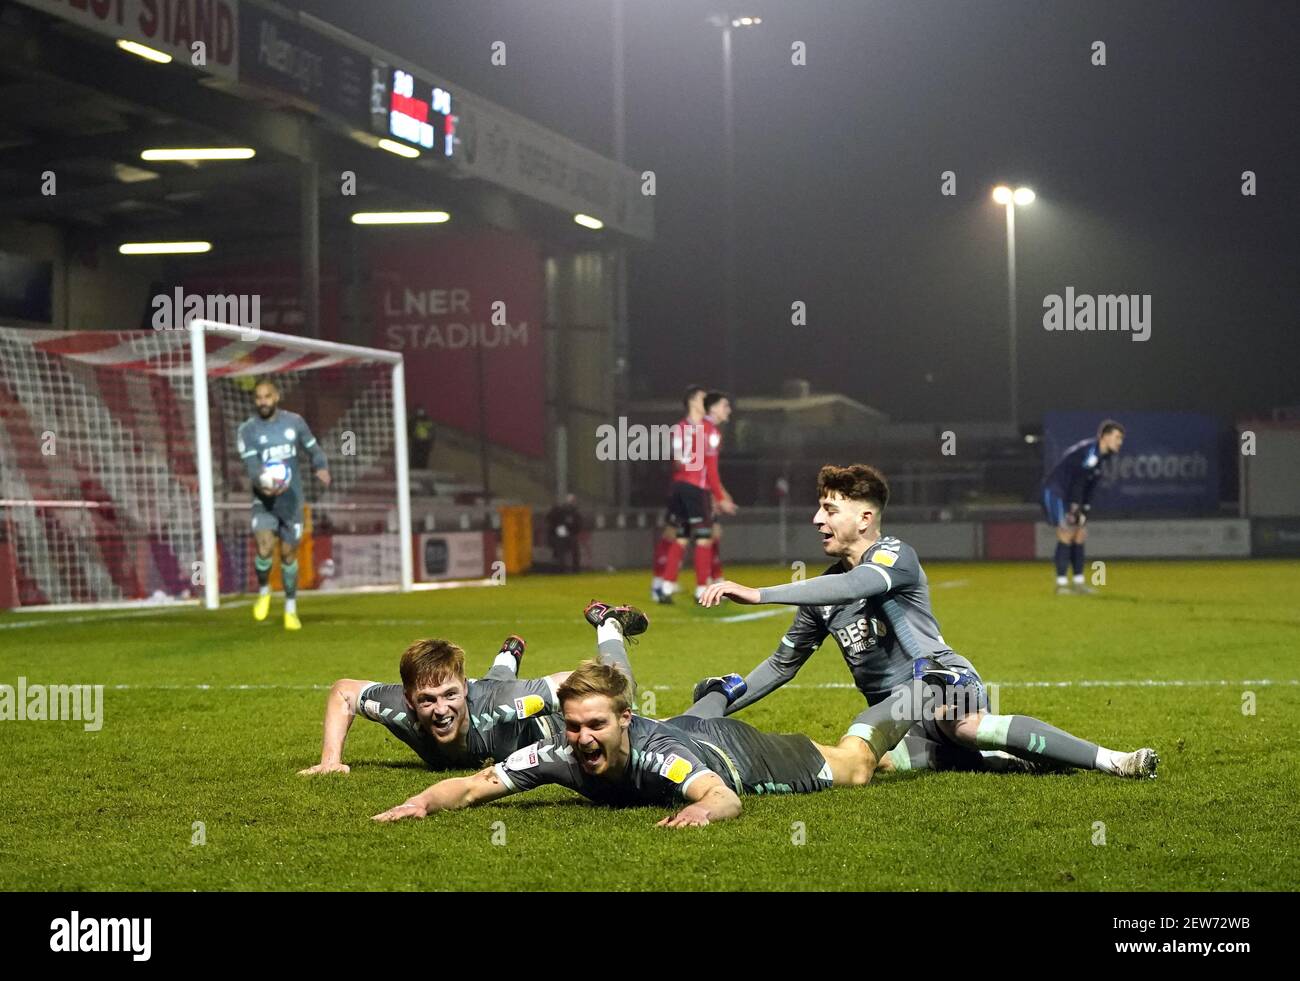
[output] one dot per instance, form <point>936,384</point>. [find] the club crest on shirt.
<point>289,434</point>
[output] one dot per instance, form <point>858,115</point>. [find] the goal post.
<point>199,331</point>
<point>120,482</point>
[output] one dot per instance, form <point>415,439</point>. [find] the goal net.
<point>119,476</point>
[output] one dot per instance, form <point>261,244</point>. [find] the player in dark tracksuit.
<point>274,436</point>
<point>875,601</point>
<point>1066,493</point>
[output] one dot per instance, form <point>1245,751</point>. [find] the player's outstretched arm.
<point>711,801</point>
<point>450,795</point>
<point>340,708</point>
<point>868,579</point>
<point>716,592</point>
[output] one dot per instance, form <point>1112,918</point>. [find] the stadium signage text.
<point>1103,312</point>
<point>455,336</point>
<point>74,935</point>
<point>1154,466</point>
<point>172,26</point>
<point>53,703</point>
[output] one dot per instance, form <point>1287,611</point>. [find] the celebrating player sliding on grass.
<point>268,443</point>
<point>449,720</point>
<point>697,761</point>
<point>875,600</point>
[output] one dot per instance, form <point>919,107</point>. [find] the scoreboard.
<point>406,108</point>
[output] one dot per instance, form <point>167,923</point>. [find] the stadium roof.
<point>75,106</point>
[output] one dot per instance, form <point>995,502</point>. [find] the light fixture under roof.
<point>163,248</point>
<point>144,51</point>
<point>200,153</point>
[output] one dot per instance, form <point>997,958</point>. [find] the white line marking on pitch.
<point>1150,683</point>
<point>760,615</point>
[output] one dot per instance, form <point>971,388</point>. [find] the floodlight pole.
<point>203,445</point>
<point>1011,315</point>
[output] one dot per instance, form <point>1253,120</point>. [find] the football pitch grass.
<point>208,716</point>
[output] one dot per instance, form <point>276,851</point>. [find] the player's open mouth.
<point>443,726</point>
<point>590,759</point>
<point>827,537</point>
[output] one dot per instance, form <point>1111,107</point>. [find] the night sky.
<point>1137,166</point>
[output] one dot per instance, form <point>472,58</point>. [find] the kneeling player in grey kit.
<point>610,756</point>
<point>876,602</point>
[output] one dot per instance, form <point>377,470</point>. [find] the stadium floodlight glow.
<point>163,248</point>
<point>200,153</point>
<point>400,217</point>
<point>144,51</point>
<point>1002,194</point>
<point>1023,196</point>
<point>746,21</point>
<point>586,221</point>
<point>401,149</point>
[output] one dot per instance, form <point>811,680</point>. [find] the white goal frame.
<point>199,329</point>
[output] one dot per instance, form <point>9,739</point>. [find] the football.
<point>273,477</point>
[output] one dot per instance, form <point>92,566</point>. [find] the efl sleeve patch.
<point>529,705</point>
<point>676,769</point>
<point>370,709</point>
<point>885,558</point>
<point>522,759</point>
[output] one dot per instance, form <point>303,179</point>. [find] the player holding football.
<point>274,436</point>
<point>455,722</point>
<point>702,765</point>
<point>875,600</point>
<point>696,488</point>
<point>1065,494</point>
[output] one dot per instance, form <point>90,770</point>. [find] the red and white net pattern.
<point>99,496</point>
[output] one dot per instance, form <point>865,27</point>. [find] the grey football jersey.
<point>879,614</point>
<point>664,762</point>
<point>277,440</point>
<point>503,716</point>
<point>667,757</point>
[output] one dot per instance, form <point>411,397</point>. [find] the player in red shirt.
<point>717,409</point>
<point>695,488</point>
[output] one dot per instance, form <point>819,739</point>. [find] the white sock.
<point>1062,581</point>
<point>669,587</point>
<point>291,605</point>
<point>504,660</point>
<point>264,591</point>
<point>1078,580</point>
<point>1108,760</point>
<point>699,591</point>
<point>609,630</point>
